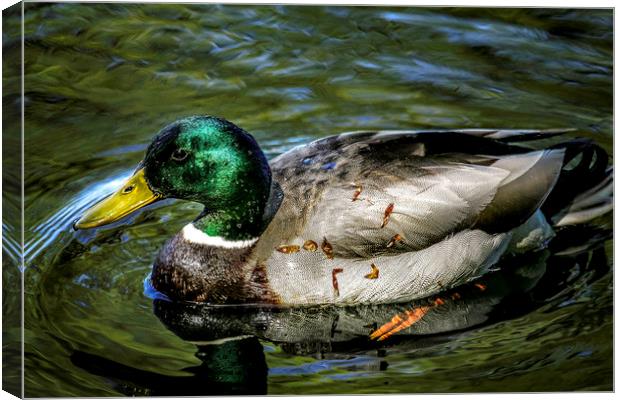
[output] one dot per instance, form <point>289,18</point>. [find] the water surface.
<point>102,79</point>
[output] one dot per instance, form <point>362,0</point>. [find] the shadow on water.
<point>228,339</point>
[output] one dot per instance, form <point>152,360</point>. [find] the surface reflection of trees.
<point>233,361</point>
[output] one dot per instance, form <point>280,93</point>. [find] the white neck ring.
<point>195,235</point>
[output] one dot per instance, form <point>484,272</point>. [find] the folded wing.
<point>419,188</point>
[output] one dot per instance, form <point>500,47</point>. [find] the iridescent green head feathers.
<point>213,162</point>
<point>204,159</point>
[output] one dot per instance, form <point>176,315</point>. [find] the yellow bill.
<point>133,195</point>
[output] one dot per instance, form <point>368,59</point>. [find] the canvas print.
<point>206,199</point>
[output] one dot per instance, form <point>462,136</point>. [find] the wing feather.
<point>532,177</point>
<point>435,190</point>
<point>426,209</point>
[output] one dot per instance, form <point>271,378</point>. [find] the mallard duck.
<point>361,217</point>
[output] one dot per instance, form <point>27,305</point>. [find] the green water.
<point>101,79</point>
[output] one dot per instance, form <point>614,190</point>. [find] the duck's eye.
<point>179,155</point>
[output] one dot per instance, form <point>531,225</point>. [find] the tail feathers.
<point>584,190</point>
<point>591,204</point>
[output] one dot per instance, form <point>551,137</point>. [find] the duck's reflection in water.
<point>228,344</point>
<point>234,366</point>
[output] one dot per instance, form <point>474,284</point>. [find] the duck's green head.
<point>204,159</point>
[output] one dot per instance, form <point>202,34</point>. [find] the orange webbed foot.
<point>403,320</point>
